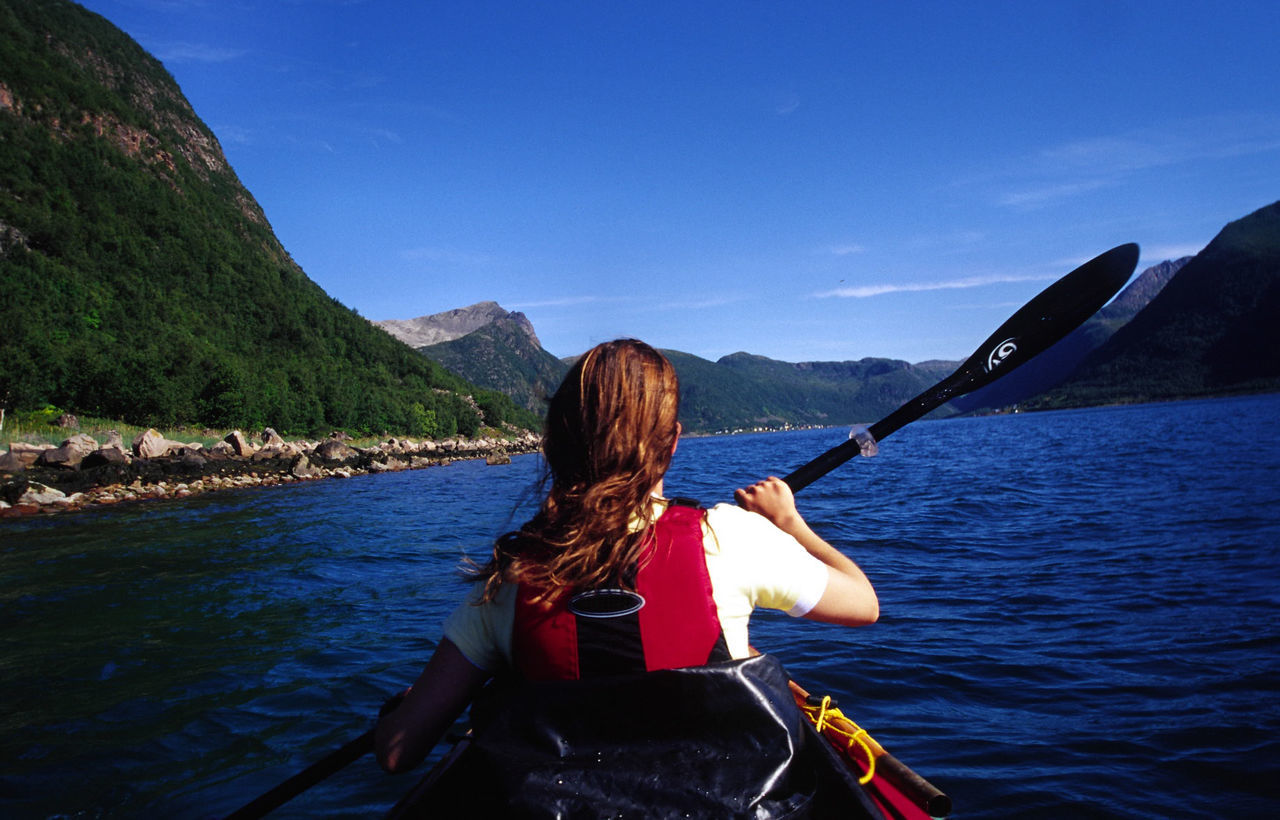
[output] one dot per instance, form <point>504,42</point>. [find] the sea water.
<point>1080,618</point>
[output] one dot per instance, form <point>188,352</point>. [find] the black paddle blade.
<point>1037,326</point>
<point>1055,312</point>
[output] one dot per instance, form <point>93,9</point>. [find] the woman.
<point>609,575</point>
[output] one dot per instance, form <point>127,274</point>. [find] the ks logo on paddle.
<point>1001,352</point>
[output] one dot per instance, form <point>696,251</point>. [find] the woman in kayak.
<point>610,576</point>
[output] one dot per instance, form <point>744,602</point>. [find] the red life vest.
<point>675,625</point>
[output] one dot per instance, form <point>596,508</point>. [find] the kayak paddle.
<point>305,779</point>
<point>1037,326</point>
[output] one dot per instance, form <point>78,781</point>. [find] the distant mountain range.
<point>739,391</point>
<point>1195,326</point>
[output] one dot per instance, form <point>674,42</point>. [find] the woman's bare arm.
<point>849,597</point>
<point>445,687</point>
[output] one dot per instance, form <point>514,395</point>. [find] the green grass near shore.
<point>40,427</point>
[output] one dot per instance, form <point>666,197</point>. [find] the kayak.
<point>894,787</point>
<point>721,741</point>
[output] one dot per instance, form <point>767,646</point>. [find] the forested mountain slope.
<point>140,280</point>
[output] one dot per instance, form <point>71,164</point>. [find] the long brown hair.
<point>610,433</point>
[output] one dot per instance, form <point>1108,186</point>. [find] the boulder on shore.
<point>39,494</point>
<point>70,453</point>
<point>153,445</point>
<point>240,444</point>
<point>27,453</point>
<point>191,458</point>
<point>10,463</point>
<point>221,449</point>
<point>105,456</point>
<point>334,450</point>
<point>303,468</point>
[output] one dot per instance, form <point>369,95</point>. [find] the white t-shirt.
<point>750,561</point>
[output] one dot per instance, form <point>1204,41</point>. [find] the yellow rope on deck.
<point>825,716</point>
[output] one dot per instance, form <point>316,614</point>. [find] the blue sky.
<point>804,181</point>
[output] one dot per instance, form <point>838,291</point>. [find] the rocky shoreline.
<point>83,472</point>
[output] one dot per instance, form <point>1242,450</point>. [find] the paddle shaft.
<point>305,779</point>
<point>934,397</point>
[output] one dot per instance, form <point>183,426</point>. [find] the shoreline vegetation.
<point>83,472</point>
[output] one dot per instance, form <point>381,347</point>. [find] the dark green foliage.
<point>1213,330</point>
<point>139,280</point>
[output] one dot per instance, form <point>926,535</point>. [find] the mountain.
<point>454,324</point>
<point>1054,365</point>
<point>141,281</point>
<point>488,346</point>
<point>1213,330</point>
<point>742,391</point>
<point>503,355</point>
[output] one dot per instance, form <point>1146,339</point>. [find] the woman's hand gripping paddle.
<point>1037,326</point>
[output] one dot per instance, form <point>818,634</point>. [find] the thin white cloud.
<point>182,52</point>
<point>952,240</point>
<point>1169,252</point>
<point>445,256</point>
<point>845,250</point>
<point>982,305</point>
<point>1036,197</point>
<point>1071,169</point>
<point>867,291</point>
<point>234,133</point>
<point>699,304</point>
<point>1201,138</point>
<point>567,301</point>
<point>378,135</point>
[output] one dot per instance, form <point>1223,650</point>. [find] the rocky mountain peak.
<point>454,324</point>
<point>1139,293</point>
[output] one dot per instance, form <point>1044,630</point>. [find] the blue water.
<point>1079,618</point>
